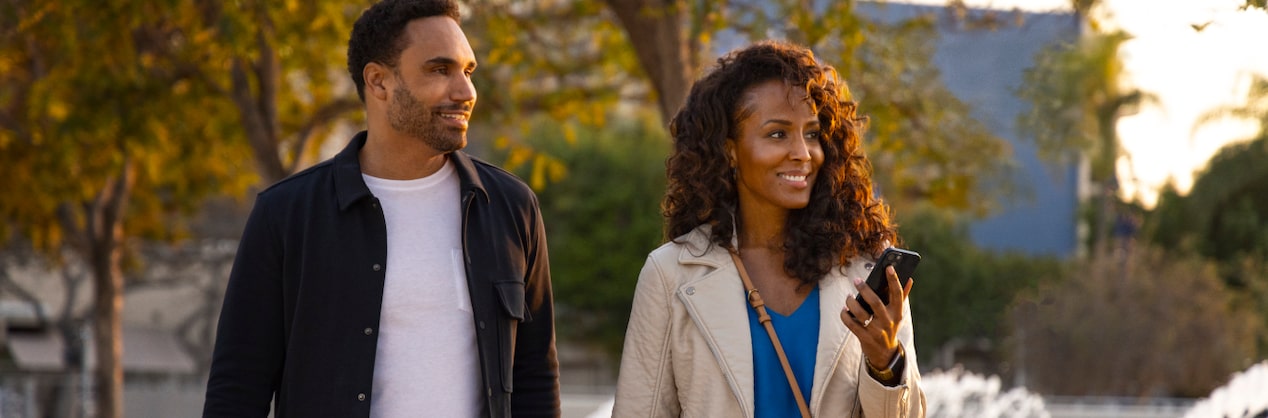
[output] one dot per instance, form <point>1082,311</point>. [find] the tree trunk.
<point>104,235</point>
<point>258,128</point>
<point>656,30</point>
<point>108,330</point>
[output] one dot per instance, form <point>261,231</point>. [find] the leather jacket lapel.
<point>716,304</point>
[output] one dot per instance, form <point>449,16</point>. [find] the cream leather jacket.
<point>688,352</point>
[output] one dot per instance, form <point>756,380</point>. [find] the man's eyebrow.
<point>447,61</point>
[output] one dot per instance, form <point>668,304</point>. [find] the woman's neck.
<point>761,230</point>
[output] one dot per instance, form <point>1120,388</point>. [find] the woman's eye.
<point>777,135</point>
<point>813,136</point>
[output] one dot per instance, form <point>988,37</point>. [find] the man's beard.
<point>408,115</point>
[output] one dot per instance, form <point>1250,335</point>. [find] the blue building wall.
<point>984,68</point>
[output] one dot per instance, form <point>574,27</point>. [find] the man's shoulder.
<point>303,182</point>
<point>498,180</point>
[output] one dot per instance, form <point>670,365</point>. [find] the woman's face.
<point>776,152</point>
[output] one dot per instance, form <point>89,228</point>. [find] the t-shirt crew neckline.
<point>438,177</point>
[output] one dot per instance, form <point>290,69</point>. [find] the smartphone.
<point>904,262</point>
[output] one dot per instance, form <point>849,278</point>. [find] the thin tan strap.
<point>755,299</point>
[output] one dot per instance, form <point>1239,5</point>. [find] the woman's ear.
<point>729,145</point>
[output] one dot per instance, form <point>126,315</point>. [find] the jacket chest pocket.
<point>510,295</point>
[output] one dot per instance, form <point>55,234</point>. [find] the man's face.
<point>433,95</point>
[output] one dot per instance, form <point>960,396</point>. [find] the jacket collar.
<point>698,248</point>
<point>350,186</point>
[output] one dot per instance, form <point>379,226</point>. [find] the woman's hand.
<point>878,334</point>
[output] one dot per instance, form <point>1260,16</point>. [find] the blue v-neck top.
<point>799,335</point>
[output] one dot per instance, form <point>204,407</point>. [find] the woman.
<point>767,167</point>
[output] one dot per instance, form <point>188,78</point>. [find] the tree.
<point>1077,93</point>
<point>122,126</point>
<point>1224,216</point>
<point>923,138</point>
<point>188,92</point>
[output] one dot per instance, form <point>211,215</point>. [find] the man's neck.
<point>396,157</point>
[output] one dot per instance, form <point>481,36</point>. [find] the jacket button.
<point>369,331</point>
<point>481,324</point>
<point>360,396</point>
<point>691,291</point>
<point>377,267</point>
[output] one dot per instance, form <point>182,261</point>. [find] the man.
<point>402,278</point>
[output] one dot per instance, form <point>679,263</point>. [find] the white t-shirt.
<point>426,363</point>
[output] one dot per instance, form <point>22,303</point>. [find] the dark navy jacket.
<point>301,311</point>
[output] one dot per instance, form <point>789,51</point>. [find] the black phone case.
<point>904,262</point>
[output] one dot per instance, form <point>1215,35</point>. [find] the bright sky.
<point>1190,72</point>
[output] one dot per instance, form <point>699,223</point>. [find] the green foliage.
<point>962,291</point>
<point>1225,219</point>
<point>921,136</point>
<point>602,220</point>
<point>74,119</point>
<point>1076,96</point>
<point>534,66</point>
<point>1225,215</point>
<point>176,99</point>
<point>923,142</point>
<point>1141,323</point>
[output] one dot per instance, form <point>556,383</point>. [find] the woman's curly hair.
<point>843,219</point>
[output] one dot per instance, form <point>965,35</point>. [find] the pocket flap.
<point>511,294</point>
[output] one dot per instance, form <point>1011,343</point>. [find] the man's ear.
<point>377,76</point>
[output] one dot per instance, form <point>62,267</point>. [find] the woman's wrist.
<point>891,374</point>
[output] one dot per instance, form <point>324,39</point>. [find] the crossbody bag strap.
<point>755,299</point>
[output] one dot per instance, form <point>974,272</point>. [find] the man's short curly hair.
<point>376,37</point>
<point>843,219</point>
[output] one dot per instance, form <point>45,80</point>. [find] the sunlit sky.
<point>1190,72</point>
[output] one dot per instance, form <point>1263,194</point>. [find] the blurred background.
<point>1086,180</point>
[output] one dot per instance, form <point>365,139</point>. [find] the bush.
<point>1140,323</point>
